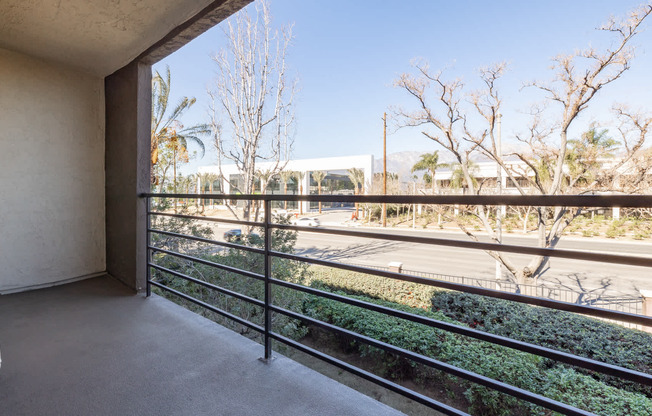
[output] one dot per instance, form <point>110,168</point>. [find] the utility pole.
<point>499,190</point>
<point>384,167</point>
<point>174,171</point>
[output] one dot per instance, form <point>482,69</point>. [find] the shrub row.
<point>406,293</point>
<point>564,331</point>
<point>282,240</point>
<point>520,369</point>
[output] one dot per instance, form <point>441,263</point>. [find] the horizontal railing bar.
<point>440,365</point>
<point>532,300</point>
<point>210,307</point>
<point>596,201</point>
<point>212,219</point>
<point>210,263</point>
<point>208,241</point>
<point>397,388</point>
<point>561,356</point>
<point>227,292</point>
<point>545,252</point>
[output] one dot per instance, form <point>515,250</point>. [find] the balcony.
<point>93,347</point>
<point>76,119</point>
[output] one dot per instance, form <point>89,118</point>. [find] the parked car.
<point>236,236</point>
<point>308,222</point>
<point>232,235</point>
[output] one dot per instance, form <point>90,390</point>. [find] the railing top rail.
<point>601,201</point>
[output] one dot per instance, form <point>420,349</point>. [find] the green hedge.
<point>282,240</point>
<point>516,368</point>
<point>564,331</point>
<point>560,330</point>
<point>406,293</point>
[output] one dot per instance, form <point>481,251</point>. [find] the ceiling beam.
<point>207,18</point>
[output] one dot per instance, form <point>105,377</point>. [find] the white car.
<point>307,222</point>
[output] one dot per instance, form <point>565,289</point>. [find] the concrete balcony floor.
<point>95,348</point>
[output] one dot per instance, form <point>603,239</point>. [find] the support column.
<point>127,165</point>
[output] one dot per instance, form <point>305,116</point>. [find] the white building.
<point>330,165</point>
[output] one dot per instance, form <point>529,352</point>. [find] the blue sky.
<point>346,55</point>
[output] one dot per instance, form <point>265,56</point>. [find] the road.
<point>577,275</point>
<point>573,274</point>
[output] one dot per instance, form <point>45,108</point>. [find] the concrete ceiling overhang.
<point>102,36</point>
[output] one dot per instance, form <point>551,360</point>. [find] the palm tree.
<point>458,180</point>
<point>356,176</point>
<point>167,128</point>
<point>211,178</point>
<point>286,175</point>
<point>187,185</point>
<point>298,176</point>
<point>264,176</point>
<point>319,176</point>
<point>584,154</point>
<point>429,162</point>
<point>203,180</point>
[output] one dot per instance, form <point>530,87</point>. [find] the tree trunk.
<point>319,193</point>
<point>434,184</point>
<point>201,201</point>
<point>527,216</point>
<point>355,192</point>
<point>174,172</point>
<point>210,190</point>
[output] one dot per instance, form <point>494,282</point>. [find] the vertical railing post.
<point>268,275</point>
<point>148,222</point>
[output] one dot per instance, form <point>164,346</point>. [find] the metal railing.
<point>628,304</point>
<point>269,333</point>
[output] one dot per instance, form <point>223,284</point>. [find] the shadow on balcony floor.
<point>94,348</point>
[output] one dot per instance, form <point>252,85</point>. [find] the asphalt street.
<point>573,274</point>
<point>608,279</point>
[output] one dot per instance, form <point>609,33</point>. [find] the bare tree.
<point>252,111</point>
<point>578,77</point>
<point>633,172</point>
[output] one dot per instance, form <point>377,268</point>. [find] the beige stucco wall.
<point>51,173</point>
